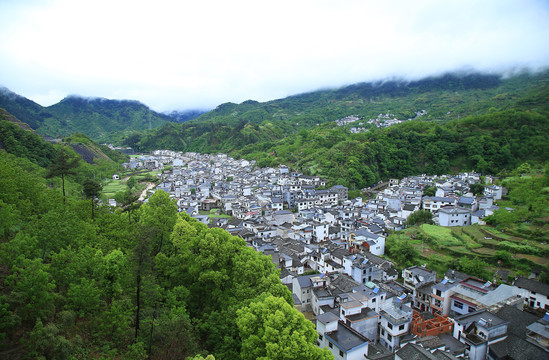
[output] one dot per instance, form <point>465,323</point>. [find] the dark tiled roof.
<point>516,348</point>
<point>518,319</point>
<point>532,285</point>
<point>305,281</point>
<point>365,313</point>
<point>414,352</point>
<point>345,338</point>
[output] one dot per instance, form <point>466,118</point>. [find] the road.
<point>144,193</point>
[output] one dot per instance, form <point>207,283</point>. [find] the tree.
<point>221,275</point>
<point>477,189</point>
<point>473,266</point>
<point>131,183</point>
<point>502,218</point>
<point>504,257</point>
<point>62,165</point>
<point>159,214</point>
<point>401,251</point>
<point>429,191</point>
<point>92,189</point>
<point>270,328</point>
<point>129,204</point>
<point>32,289</point>
<point>420,217</point>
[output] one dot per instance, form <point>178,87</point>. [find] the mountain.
<point>182,116</point>
<point>100,119</point>
<point>450,123</point>
<point>19,139</point>
<point>440,99</point>
<point>22,108</point>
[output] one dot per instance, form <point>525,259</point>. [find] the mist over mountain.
<point>185,115</point>
<point>96,117</point>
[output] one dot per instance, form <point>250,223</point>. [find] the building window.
<point>439,293</point>
<point>330,345</point>
<point>343,312</point>
<point>373,300</point>
<point>471,309</point>
<point>382,332</point>
<point>458,304</point>
<point>390,326</point>
<point>401,327</point>
<point>320,337</point>
<point>389,337</point>
<point>340,353</point>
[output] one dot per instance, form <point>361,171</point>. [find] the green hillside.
<point>479,122</point>
<point>17,138</point>
<point>81,281</point>
<point>100,119</point>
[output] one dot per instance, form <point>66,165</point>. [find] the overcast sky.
<point>198,54</point>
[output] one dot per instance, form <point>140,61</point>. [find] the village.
<point>330,252</point>
<point>381,121</point>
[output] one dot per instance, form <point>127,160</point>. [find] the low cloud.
<point>176,55</point>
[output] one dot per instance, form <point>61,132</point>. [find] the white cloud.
<point>183,54</point>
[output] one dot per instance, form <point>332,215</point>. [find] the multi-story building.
<point>479,330</point>
<point>537,295</point>
<point>396,317</point>
<point>434,203</point>
<point>454,216</point>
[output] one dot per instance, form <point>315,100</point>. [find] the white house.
<point>396,318</point>
<point>434,203</point>
<point>479,330</point>
<point>454,216</point>
<point>342,341</point>
<point>495,191</point>
<point>537,293</point>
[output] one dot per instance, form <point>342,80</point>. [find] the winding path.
<point>144,193</point>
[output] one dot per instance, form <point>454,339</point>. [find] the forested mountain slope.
<point>479,122</point>
<point>87,283</point>
<point>490,144</point>
<point>449,97</point>
<point>98,118</point>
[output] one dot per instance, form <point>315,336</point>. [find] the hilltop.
<point>98,118</point>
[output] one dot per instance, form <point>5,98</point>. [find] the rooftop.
<point>365,313</point>
<point>532,285</point>
<point>483,318</point>
<point>346,339</point>
<point>327,317</point>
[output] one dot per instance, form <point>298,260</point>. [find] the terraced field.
<point>439,246</point>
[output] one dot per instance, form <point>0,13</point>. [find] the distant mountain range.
<point>450,123</point>
<point>232,126</point>
<point>99,118</point>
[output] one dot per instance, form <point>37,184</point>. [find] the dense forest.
<point>81,281</point>
<point>492,143</point>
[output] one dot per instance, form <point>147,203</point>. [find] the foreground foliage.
<point>77,284</point>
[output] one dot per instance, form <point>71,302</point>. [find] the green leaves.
<point>420,217</point>
<point>32,289</point>
<point>271,328</point>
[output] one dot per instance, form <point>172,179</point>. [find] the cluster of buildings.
<point>382,121</point>
<point>329,250</point>
<point>424,316</point>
